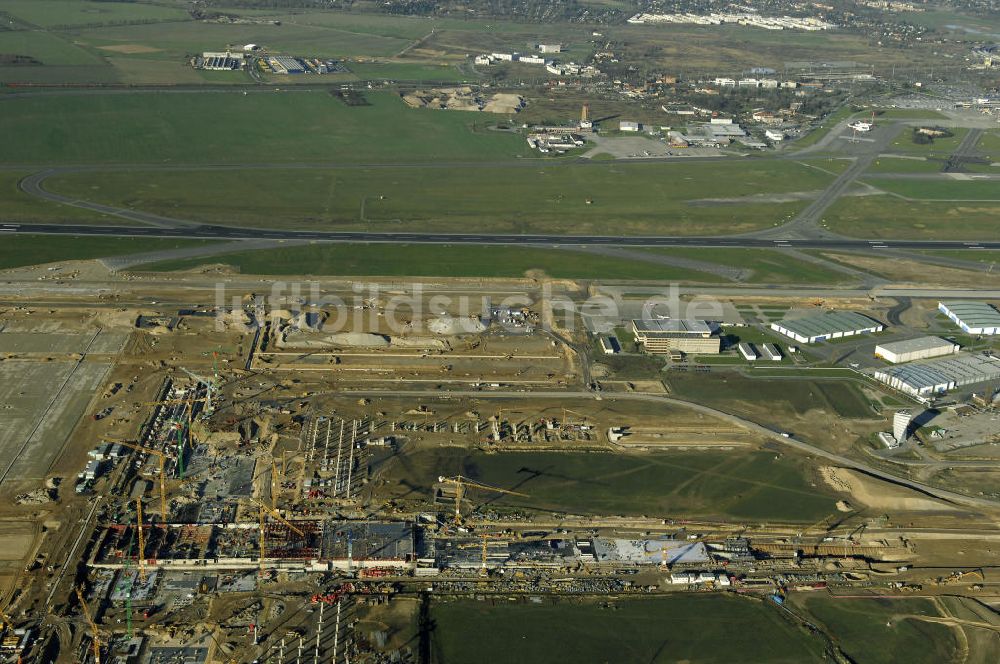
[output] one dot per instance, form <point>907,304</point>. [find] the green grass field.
<point>16,206</point>
<point>975,256</point>
<point>739,485</point>
<point>396,260</point>
<point>942,190</point>
<point>230,127</point>
<point>798,395</point>
<point>48,13</point>
<point>22,250</point>
<point>939,146</point>
<point>698,629</point>
<point>47,48</point>
<point>885,164</point>
<point>881,631</point>
<point>767,266</point>
<point>602,198</point>
<point>889,217</point>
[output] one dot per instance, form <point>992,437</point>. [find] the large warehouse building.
<point>940,375</point>
<point>921,348</point>
<point>692,337</point>
<point>972,317</point>
<point>826,325</point>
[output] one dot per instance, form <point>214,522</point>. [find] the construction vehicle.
<point>461,484</point>
<point>94,635</point>
<point>958,575</point>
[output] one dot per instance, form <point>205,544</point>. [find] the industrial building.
<point>972,317</point>
<point>747,351</point>
<point>921,348</point>
<point>676,335</point>
<point>284,64</point>
<point>826,325</point>
<point>221,61</point>
<point>940,375</point>
<point>628,125</point>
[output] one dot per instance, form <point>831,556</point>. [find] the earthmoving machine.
<point>461,484</point>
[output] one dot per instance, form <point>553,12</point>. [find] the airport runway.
<point>229,233</point>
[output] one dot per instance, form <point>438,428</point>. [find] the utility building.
<point>826,325</point>
<point>972,317</point>
<point>921,348</point>
<point>674,334</point>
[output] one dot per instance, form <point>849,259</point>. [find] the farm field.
<point>230,127</point>
<point>889,217</point>
<point>601,198</point>
<point>743,485</point>
<point>67,13</point>
<point>688,628</point>
<point>22,250</point>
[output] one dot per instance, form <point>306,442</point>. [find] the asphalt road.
<point>228,233</point>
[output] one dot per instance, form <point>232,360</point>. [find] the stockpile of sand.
<point>449,325</point>
<point>880,495</point>
<point>504,103</point>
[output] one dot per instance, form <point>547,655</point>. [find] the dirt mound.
<point>880,495</point>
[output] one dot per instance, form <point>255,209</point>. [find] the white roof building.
<point>826,325</point>
<point>972,317</point>
<point>921,348</point>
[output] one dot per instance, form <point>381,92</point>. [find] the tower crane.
<point>461,484</point>
<point>163,460</point>
<point>264,511</point>
<point>94,635</point>
<point>141,557</point>
<point>210,387</point>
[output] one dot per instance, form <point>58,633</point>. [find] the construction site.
<point>262,482</point>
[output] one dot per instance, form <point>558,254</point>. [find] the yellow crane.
<point>264,511</point>
<point>163,462</point>
<point>461,484</point>
<point>141,558</point>
<point>486,537</point>
<point>95,637</point>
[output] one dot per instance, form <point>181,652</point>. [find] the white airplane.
<point>861,126</point>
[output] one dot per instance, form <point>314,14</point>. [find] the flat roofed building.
<point>826,325</point>
<point>921,348</point>
<point>771,352</point>
<point>747,351</point>
<point>628,125</point>
<point>940,375</point>
<point>610,345</point>
<point>676,334</point>
<point>972,317</point>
